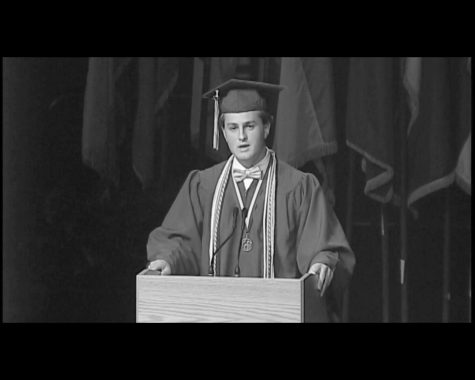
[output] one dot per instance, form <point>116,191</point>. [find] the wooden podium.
<point>228,299</point>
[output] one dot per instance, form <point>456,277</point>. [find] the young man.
<point>251,215</point>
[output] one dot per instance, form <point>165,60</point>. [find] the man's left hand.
<point>324,274</point>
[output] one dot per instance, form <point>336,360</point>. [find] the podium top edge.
<point>220,278</point>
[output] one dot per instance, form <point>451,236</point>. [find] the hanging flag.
<point>463,171</point>
<point>157,77</point>
<point>101,133</point>
<point>412,84</point>
<point>305,123</point>
<point>110,113</point>
<point>371,121</point>
<point>196,101</point>
<point>441,127</point>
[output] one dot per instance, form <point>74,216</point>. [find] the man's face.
<point>245,134</point>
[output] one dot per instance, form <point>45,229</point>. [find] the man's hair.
<point>265,116</point>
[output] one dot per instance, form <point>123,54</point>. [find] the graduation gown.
<point>306,229</point>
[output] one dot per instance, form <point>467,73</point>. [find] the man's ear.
<point>266,130</point>
<point>224,134</point>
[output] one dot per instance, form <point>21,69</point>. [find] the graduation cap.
<point>237,95</point>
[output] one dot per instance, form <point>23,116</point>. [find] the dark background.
<point>72,245</point>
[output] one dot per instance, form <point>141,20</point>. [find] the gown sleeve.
<point>320,237</point>
<point>178,239</point>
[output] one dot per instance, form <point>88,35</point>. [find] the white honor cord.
<point>241,204</point>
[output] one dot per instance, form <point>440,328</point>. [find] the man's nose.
<point>242,134</point>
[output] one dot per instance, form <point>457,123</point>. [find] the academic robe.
<point>306,229</point>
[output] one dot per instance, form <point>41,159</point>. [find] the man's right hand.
<point>160,266</point>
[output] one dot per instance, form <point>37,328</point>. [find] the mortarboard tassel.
<point>216,117</point>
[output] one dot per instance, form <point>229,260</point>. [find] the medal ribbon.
<point>253,201</point>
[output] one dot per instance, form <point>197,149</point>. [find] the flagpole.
<point>402,269</point>
<point>446,261</point>
<point>385,261</point>
<point>403,123</point>
<point>469,294</point>
<point>114,172</point>
<point>349,222</point>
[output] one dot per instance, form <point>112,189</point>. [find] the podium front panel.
<point>217,299</point>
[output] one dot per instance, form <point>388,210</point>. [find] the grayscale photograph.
<point>237,190</point>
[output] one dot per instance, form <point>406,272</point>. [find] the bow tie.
<point>254,173</point>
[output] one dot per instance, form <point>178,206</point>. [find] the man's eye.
<point>250,126</point>
<point>233,128</point>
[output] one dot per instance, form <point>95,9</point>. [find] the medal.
<point>246,243</point>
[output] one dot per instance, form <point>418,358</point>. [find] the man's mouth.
<point>243,146</point>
